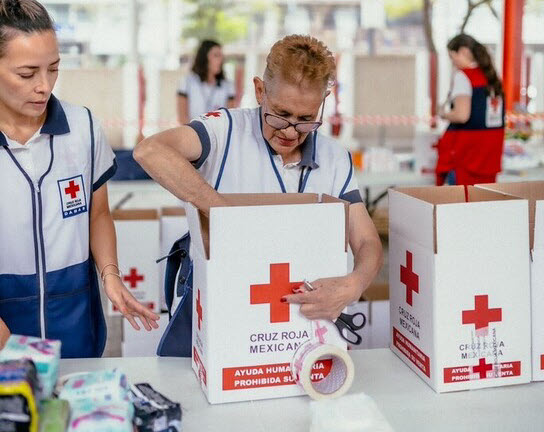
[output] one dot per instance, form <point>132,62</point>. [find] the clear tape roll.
<point>335,383</point>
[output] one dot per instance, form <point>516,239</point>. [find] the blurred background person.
<point>205,88</point>
<point>470,150</point>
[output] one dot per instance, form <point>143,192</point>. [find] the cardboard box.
<point>246,257</point>
<point>173,225</point>
<point>375,307</point>
<point>534,192</point>
<point>137,249</point>
<point>460,286</point>
<point>142,343</point>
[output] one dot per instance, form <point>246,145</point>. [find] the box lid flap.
<point>534,192</point>
<point>135,214</point>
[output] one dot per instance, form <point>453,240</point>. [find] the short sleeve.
<point>182,87</point>
<point>213,131</point>
<point>345,183</point>
<point>104,158</point>
<point>461,85</point>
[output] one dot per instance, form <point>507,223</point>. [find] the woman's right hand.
<point>4,333</point>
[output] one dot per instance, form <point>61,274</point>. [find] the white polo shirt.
<point>204,97</point>
<point>237,159</point>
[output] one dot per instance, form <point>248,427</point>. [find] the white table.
<point>404,399</point>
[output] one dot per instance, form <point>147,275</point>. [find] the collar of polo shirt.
<point>55,121</point>
<point>307,148</point>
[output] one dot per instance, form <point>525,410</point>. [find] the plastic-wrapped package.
<point>104,385</point>
<point>54,415</point>
<point>153,412</point>
<point>19,385</point>
<point>45,354</point>
<point>101,416</point>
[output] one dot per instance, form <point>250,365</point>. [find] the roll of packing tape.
<point>335,383</point>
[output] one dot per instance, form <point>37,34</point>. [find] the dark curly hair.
<point>200,65</point>
<point>482,57</point>
<point>27,16</point>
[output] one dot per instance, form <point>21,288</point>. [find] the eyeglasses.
<point>278,122</point>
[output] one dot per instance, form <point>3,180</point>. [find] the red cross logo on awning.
<point>482,368</point>
<point>133,277</point>
<point>199,309</point>
<point>213,114</point>
<point>481,316</point>
<point>272,293</point>
<point>409,278</point>
<point>72,189</point>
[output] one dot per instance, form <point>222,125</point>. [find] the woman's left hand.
<point>128,305</point>
<point>328,298</point>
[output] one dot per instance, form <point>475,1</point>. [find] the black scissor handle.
<point>355,321</point>
<point>347,333</point>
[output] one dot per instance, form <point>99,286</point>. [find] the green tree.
<point>223,20</point>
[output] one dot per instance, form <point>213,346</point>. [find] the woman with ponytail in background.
<point>470,150</point>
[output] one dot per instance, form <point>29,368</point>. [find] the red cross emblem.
<point>199,309</point>
<point>409,278</point>
<point>272,293</point>
<point>481,316</point>
<point>213,114</point>
<point>482,368</point>
<point>494,103</point>
<point>72,189</point>
<point>320,332</point>
<point>133,277</point>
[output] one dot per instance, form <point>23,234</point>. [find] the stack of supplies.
<point>44,353</point>
<point>19,391</point>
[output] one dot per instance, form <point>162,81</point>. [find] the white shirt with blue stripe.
<point>237,159</point>
<point>47,281</point>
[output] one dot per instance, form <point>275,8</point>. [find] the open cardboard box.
<point>246,256</point>
<point>459,286</point>
<point>534,192</point>
<point>137,249</point>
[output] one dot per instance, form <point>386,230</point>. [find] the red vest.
<point>475,146</point>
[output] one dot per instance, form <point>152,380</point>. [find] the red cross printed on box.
<point>133,277</point>
<point>72,189</point>
<point>199,309</point>
<point>482,368</point>
<point>481,316</point>
<point>494,103</point>
<point>409,278</point>
<point>213,114</point>
<point>320,332</point>
<point>271,293</point>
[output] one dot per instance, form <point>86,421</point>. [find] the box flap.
<point>376,292</point>
<point>199,228</point>
<point>534,192</point>
<point>135,214</point>
<point>418,216</point>
<point>256,216</point>
<point>330,199</point>
<point>411,218</point>
<point>172,211</point>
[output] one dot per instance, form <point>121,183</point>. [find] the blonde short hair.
<point>301,59</point>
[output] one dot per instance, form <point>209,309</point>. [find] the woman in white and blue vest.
<point>272,148</point>
<point>55,222</point>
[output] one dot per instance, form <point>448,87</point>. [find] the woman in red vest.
<point>470,150</point>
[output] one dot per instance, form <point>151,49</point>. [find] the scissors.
<point>347,324</point>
